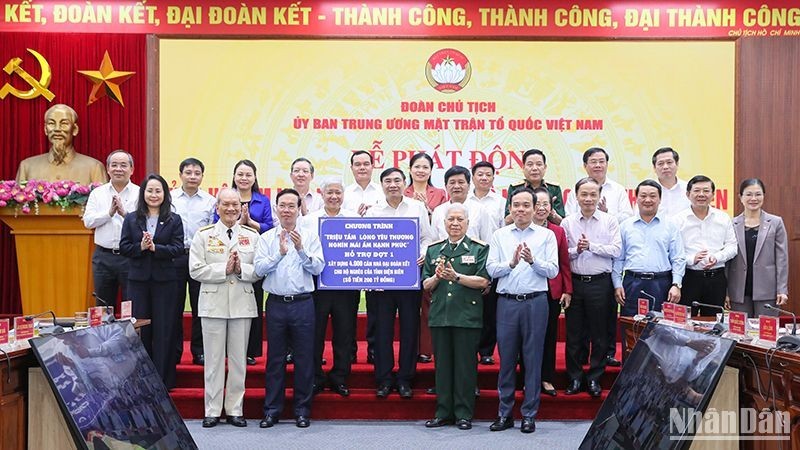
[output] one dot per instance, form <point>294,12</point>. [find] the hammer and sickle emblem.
<point>38,87</point>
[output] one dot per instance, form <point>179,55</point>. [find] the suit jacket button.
<point>449,294</point>
<point>451,282</point>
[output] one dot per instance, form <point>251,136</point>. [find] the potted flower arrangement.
<point>28,195</point>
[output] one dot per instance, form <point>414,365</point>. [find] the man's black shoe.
<point>210,422</point>
<point>573,388</point>
<point>405,391</point>
<point>268,422</point>
<point>595,389</point>
<point>437,423</point>
<point>502,423</point>
<point>487,360</point>
<point>612,362</point>
<point>341,389</point>
<point>199,360</point>
<point>302,421</point>
<point>251,361</point>
<point>528,425</point>
<point>237,421</point>
<point>383,391</point>
<point>464,424</point>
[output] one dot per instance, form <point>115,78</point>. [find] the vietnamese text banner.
<point>373,253</point>
<point>460,102</point>
<point>487,18</point>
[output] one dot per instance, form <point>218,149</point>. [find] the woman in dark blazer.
<point>256,214</point>
<point>151,237</point>
<point>560,288</point>
<point>759,273</point>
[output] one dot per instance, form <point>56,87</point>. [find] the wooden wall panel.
<point>767,135</point>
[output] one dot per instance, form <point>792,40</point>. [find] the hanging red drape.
<point>104,125</point>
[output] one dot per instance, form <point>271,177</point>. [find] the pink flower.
<point>61,191</point>
<point>20,197</point>
<point>26,209</point>
<point>3,204</point>
<point>47,196</point>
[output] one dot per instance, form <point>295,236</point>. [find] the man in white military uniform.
<point>221,258</point>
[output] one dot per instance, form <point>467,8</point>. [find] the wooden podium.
<point>54,258</point>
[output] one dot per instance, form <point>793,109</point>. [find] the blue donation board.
<point>369,253</point>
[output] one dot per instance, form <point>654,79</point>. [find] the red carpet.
<point>362,403</point>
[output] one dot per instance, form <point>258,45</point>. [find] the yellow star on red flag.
<point>106,81</point>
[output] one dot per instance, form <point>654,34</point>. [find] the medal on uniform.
<point>215,245</point>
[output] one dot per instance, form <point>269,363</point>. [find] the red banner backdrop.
<point>448,18</point>
<point>104,126</point>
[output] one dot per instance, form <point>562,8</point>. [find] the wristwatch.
<point>458,278</point>
<point>677,285</point>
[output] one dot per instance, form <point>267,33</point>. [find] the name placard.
<point>23,329</point>
<point>644,306</point>
<point>768,328</point>
<point>669,311</point>
<point>3,331</point>
<point>737,323</point>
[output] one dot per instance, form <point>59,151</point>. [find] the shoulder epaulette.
<point>479,242</point>
<point>552,184</point>
<point>516,185</point>
<point>207,227</point>
<point>249,228</point>
<point>441,241</point>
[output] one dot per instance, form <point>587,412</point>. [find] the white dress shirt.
<point>408,207</point>
<point>673,200</point>
<point>311,220</point>
<point>312,200</point>
<point>289,274</point>
<point>605,243</point>
<point>108,229</point>
<point>355,196</point>
<point>524,278</point>
<point>617,201</point>
<point>196,211</point>
<point>714,233</point>
<point>494,204</point>
<point>480,227</point>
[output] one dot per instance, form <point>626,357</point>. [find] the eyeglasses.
<point>299,171</point>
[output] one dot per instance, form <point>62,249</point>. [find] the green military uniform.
<point>455,319</point>
<point>553,189</point>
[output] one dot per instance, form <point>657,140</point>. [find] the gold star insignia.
<point>106,81</point>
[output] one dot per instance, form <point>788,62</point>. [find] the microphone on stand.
<point>790,339</point>
<point>719,327</point>
<point>57,328</point>
<point>109,317</point>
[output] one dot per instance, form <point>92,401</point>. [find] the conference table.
<point>757,366</point>
<point>14,390</point>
